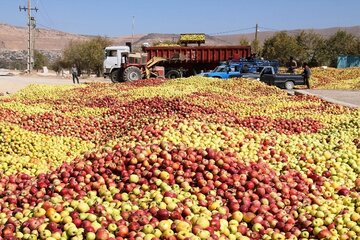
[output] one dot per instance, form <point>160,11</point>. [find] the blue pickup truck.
<point>235,69</point>
<point>223,72</point>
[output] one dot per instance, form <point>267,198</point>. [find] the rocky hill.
<point>13,40</point>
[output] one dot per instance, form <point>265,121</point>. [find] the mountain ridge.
<point>15,38</point>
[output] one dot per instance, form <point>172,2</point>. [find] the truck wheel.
<point>132,74</point>
<point>173,74</point>
<point>115,76</point>
<point>289,85</point>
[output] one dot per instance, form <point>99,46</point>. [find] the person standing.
<point>292,65</point>
<point>306,73</point>
<point>245,69</point>
<point>74,72</point>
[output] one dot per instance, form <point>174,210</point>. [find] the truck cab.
<point>224,72</point>
<point>114,57</point>
<point>122,65</point>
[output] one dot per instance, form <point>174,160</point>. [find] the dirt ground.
<point>12,83</point>
<point>348,98</point>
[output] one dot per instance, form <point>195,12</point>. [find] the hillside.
<point>326,32</point>
<point>15,38</point>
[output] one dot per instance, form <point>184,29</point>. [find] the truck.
<point>234,69</point>
<point>120,64</point>
<point>287,80</point>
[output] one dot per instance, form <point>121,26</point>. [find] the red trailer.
<point>170,61</point>
<point>190,60</point>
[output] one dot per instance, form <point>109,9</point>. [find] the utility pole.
<point>132,30</point>
<point>256,43</point>
<point>31,25</point>
<point>256,31</point>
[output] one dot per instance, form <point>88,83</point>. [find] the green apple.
<point>148,229</point>
<point>182,226</point>
<point>305,234</point>
<point>55,217</point>
<point>72,231</point>
<point>317,222</point>
<point>83,215</point>
<point>164,225</point>
<point>149,236</point>
<point>96,225</point>
<point>91,217</point>
<point>134,178</point>
<point>257,227</point>
<point>112,227</point>
<point>171,206</point>
<point>45,234</point>
<point>167,233</point>
<point>83,207</point>
<point>203,234</point>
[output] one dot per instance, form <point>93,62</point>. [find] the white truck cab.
<point>114,57</point>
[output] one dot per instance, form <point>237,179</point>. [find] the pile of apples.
<point>333,78</point>
<point>194,158</point>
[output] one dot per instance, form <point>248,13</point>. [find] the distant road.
<point>12,84</point>
<point>349,98</point>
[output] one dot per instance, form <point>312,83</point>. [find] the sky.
<point>113,18</point>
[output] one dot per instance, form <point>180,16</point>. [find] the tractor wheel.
<point>115,76</point>
<point>173,74</point>
<point>132,74</point>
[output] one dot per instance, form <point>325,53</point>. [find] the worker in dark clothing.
<point>74,73</point>
<point>306,73</point>
<point>252,57</point>
<point>292,65</point>
<point>245,69</point>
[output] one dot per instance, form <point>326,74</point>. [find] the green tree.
<point>87,55</point>
<point>58,65</point>
<point>341,43</point>
<point>72,54</point>
<point>40,60</point>
<point>244,42</point>
<point>311,48</point>
<point>93,54</point>
<point>255,47</point>
<point>280,46</point>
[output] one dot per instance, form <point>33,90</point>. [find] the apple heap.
<point>185,184</point>
<point>332,78</point>
<point>175,182</point>
<point>35,153</point>
<point>193,158</point>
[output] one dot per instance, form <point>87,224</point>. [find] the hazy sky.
<point>115,17</point>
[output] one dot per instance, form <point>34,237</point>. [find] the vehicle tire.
<point>172,74</point>
<point>115,76</point>
<point>289,85</point>
<point>132,74</point>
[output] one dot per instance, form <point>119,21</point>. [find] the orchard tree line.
<point>304,47</point>
<point>307,47</point>
<point>87,55</point>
